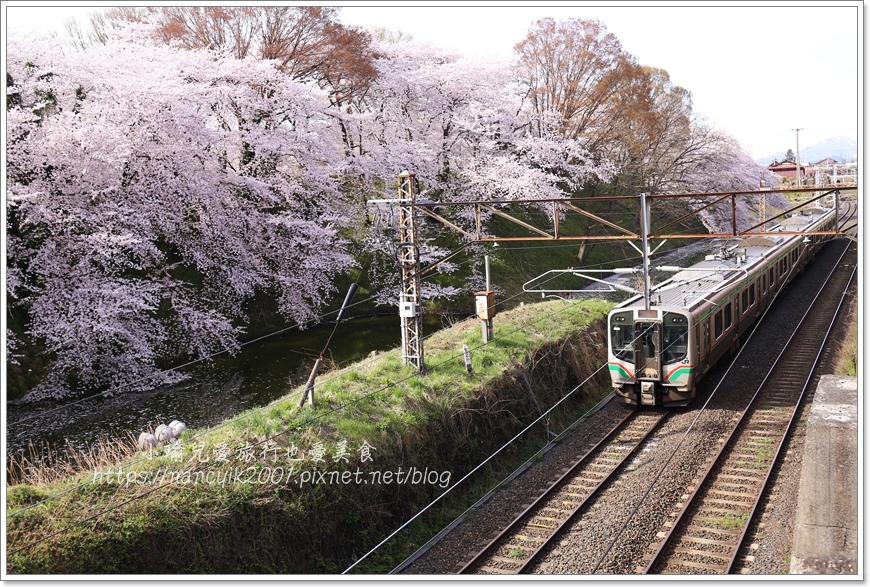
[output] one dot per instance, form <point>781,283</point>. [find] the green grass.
<point>731,521</point>
<point>445,421</point>
<point>762,458</point>
<point>847,361</point>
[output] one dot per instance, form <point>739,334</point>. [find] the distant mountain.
<point>838,148</point>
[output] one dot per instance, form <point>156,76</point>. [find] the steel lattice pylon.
<point>409,262</point>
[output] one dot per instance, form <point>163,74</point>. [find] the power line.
<point>293,395</point>
<point>692,424</point>
<point>638,503</point>
<point>318,417</point>
<point>467,475</point>
<point>108,392</point>
<point>298,424</point>
<point>272,437</point>
<point>266,406</point>
<point>342,407</point>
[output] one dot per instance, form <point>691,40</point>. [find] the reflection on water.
<point>216,390</point>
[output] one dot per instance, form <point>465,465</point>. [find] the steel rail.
<point>788,428</point>
<point>542,502</point>
<point>683,516</point>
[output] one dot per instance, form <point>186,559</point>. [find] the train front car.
<point>650,355</point>
<point>658,351</point>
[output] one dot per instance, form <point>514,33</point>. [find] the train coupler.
<point>647,395</point>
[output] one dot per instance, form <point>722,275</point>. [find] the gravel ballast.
<point>616,530</point>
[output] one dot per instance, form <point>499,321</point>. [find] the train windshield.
<point>675,337</point>
<point>622,335</point>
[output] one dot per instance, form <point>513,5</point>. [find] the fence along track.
<point>516,547</point>
<point>709,532</point>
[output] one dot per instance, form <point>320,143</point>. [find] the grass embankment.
<point>287,490</point>
<point>847,360</point>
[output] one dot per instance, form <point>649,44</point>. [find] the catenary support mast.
<point>410,308</point>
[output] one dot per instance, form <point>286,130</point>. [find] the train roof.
<point>689,286</point>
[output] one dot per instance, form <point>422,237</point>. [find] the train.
<point>659,351</point>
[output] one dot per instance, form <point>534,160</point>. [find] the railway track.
<point>848,221</point>
<point>517,547</point>
<point>708,533</point>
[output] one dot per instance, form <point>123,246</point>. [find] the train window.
<point>622,335</point>
<point>752,294</point>
<point>763,284</point>
<point>745,299</point>
<point>676,337</point>
<point>717,324</point>
<point>727,314</point>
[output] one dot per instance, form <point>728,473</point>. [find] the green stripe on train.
<point>679,372</point>
<point>620,370</point>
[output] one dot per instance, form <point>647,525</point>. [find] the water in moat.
<point>215,390</point>
<point>220,388</point>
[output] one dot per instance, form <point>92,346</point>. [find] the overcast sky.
<point>756,73</point>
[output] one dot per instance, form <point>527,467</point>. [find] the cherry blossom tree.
<point>152,191</point>
<point>467,131</point>
<point>173,164</point>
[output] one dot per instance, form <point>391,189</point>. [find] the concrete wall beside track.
<point>826,528</point>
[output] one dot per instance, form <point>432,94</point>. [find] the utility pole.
<point>410,308</point>
<point>644,227</point>
<point>797,167</point>
<point>485,301</point>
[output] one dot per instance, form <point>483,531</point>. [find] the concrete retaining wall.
<point>826,528</point>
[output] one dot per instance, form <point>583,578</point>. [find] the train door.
<point>647,359</point>
<point>647,350</point>
<point>704,345</point>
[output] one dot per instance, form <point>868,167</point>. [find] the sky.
<point>755,72</point>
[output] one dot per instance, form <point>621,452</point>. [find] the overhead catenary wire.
<point>643,498</point>
<point>307,421</point>
<point>425,270</point>
<point>111,391</point>
<point>269,405</point>
<point>298,424</point>
<point>342,407</point>
<point>692,424</point>
<point>285,398</point>
<point>501,302</point>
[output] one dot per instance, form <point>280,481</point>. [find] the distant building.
<point>830,172</point>
<point>786,169</point>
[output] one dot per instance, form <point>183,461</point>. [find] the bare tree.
<point>574,67</point>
